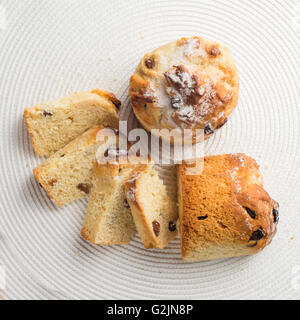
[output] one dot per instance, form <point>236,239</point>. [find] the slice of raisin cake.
<point>67,175</point>
<point>54,124</point>
<point>108,218</point>
<point>153,206</point>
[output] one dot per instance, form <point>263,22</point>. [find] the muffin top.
<point>191,83</point>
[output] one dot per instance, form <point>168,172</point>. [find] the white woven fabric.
<point>50,48</point>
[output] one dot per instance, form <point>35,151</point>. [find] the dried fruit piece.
<point>126,204</point>
<point>202,217</point>
<point>116,103</point>
<point>172,226</point>
<point>251,213</point>
<point>156,227</point>
<point>214,51</point>
<point>275,213</point>
<point>47,114</point>
<point>257,235</point>
<point>208,129</point>
<point>150,64</point>
<point>84,187</point>
<point>52,182</point>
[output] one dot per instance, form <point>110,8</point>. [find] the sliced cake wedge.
<point>153,206</point>
<point>108,218</point>
<point>52,125</point>
<point>67,175</point>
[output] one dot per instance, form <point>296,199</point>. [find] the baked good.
<point>108,217</point>
<point>66,176</point>
<point>191,83</point>
<point>54,124</point>
<point>153,206</point>
<point>224,211</point>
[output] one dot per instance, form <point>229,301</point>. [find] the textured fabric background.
<point>49,48</point>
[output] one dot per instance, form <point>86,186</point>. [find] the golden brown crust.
<point>189,84</point>
<point>34,144</point>
<point>108,95</point>
<point>225,206</point>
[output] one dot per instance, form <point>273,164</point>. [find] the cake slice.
<point>67,175</point>
<point>224,211</point>
<point>54,124</point>
<point>153,206</point>
<point>108,218</point>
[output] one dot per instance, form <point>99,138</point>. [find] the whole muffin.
<point>191,83</point>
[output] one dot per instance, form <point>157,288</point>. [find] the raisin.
<point>222,124</point>
<point>172,226</point>
<point>202,217</point>
<point>126,204</point>
<point>52,182</point>
<point>257,235</point>
<point>176,103</point>
<point>117,104</point>
<point>156,227</point>
<point>138,153</point>
<point>251,213</point>
<point>214,51</point>
<point>47,114</point>
<point>84,187</point>
<point>275,213</point>
<point>150,64</point>
<point>208,129</point>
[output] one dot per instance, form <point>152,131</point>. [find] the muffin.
<point>191,83</point>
